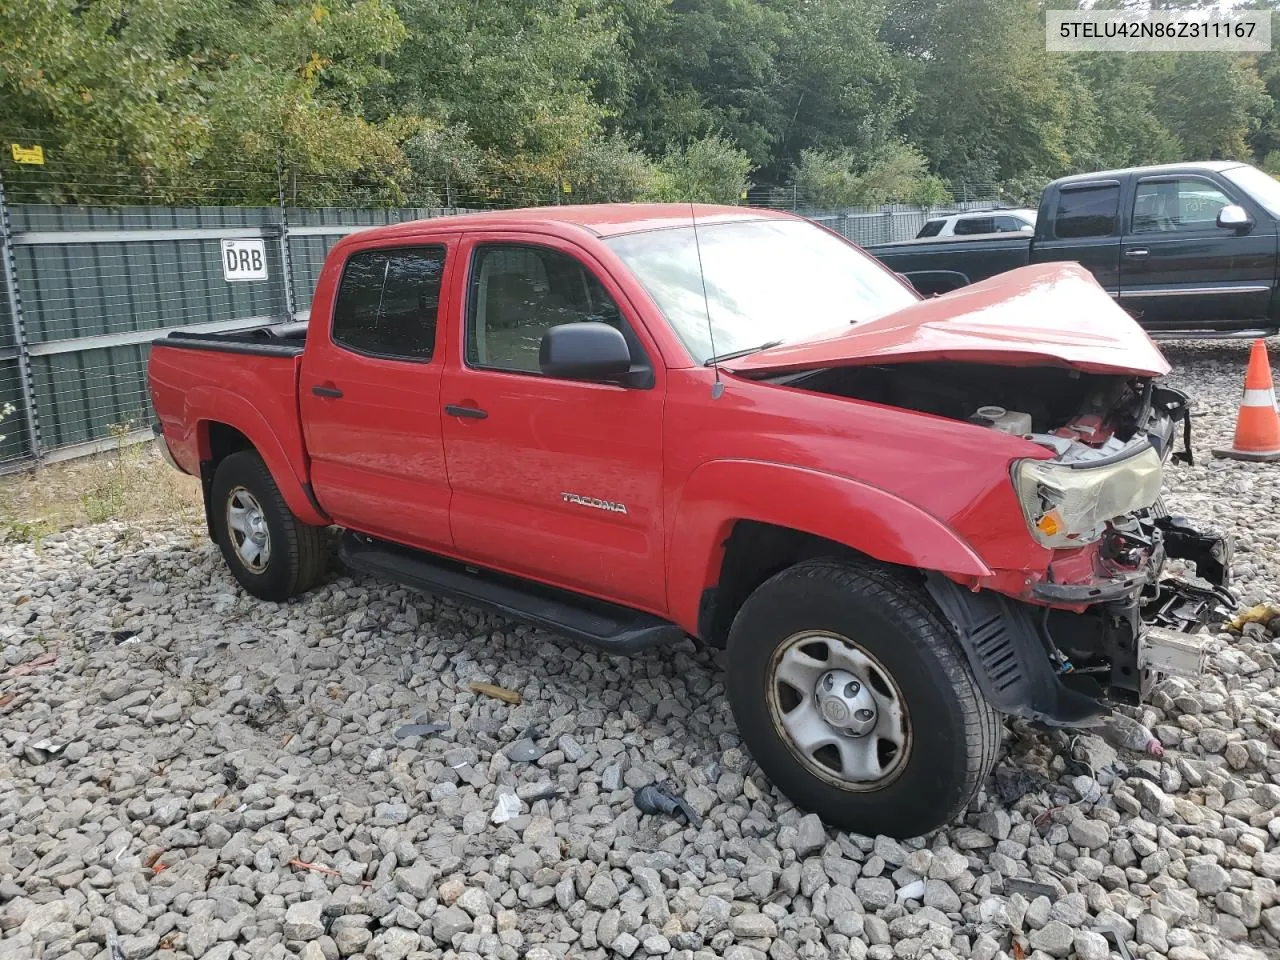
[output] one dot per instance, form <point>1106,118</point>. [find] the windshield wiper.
<point>735,354</point>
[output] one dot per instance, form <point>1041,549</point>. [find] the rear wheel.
<point>271,552</point>
<point>857,701</point>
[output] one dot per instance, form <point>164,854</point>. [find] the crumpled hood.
<point>1050,314</point>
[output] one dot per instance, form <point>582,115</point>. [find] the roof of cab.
<point>601,219</point>
<point>1217,166</point>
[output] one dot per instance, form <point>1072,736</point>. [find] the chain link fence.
<point>99,261</point>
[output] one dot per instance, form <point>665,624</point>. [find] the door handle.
<point>469,413</point>
<point>320,390</point>
<point>1137,253</point>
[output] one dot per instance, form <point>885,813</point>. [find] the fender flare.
<point>237,412</point>
<point>872,521</point>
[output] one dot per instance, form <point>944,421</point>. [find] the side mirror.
<point>588,350</point>
<point>1234,217</point>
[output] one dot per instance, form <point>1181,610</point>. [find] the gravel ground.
<point>187,772</point>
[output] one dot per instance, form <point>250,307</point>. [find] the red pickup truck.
<point>901,518</point>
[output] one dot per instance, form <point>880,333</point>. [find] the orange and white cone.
<point>1258,424</point>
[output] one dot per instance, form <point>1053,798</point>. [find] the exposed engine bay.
<point>1082,416</point>
<point>1096,503</point>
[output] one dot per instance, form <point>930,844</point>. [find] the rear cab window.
<point>1089,210</point>
<point>388,303</point>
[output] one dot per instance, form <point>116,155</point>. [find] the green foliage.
<point>176,98</point>
<point>827,180</point>
<point>490,102</point>
<point>711,170</point>
<point>896,172</point>
<point>608,168</point>
<point>446,167</point>
<point>990,104</point>
<point>1212,104</point>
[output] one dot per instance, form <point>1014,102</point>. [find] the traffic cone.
<point>1257,424</point>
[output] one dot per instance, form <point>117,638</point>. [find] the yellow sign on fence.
<point>23,154</point>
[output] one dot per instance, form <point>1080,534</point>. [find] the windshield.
<point>766,281</point>
<point>1262,187</point>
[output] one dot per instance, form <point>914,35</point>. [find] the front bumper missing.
<point>1169,653</point>
<point>1062,663</point>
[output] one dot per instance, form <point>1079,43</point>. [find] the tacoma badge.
<point>607,505</point>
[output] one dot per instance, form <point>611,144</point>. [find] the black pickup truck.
<point>1188,249</point>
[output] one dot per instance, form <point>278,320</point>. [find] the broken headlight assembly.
<point>1068,505</point>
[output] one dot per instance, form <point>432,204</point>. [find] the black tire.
<point>954,734</point>
<point>298,553</point>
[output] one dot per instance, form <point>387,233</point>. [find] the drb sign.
<point>244,260</point>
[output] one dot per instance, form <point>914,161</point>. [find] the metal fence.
<point>888,223</point>
<point>87,288</point>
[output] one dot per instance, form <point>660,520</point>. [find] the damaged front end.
<point>1081,604</point>
<point>1108,618</point>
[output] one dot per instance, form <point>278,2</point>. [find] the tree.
<point>1126,129</point>
<point>192,99</point>
<point>896,172</point>
<point>839,85</point>
<point>609,169</point>
<point>990,103</point>
<point>1212,103</point>
<point>490,102</point>
<point>712,170</point>
<point>515,76</point>
<point>706,68</point>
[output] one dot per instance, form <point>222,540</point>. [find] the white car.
<point>988,221</point>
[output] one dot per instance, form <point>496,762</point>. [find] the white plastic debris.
<point>911,891</point>
<point>508,806</point>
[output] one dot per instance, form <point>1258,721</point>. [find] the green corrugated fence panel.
<point>6,321</point>
<point>79,290</point>
<point>14,427</point>
<point>82,396</point>
<point>90,289</point>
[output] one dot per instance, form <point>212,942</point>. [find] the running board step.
<point>1212,334</point>
<point>596,623</point>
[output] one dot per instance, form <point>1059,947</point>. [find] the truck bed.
<point>936,265</point>
<point>249,378</point>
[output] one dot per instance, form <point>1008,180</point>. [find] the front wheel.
<point>271,552</point>
<point>856,700</point>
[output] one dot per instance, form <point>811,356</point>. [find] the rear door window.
<point>968,225</point>
<point>1090,211</point>
<point>388,301</point>
<point>1009,225</point>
